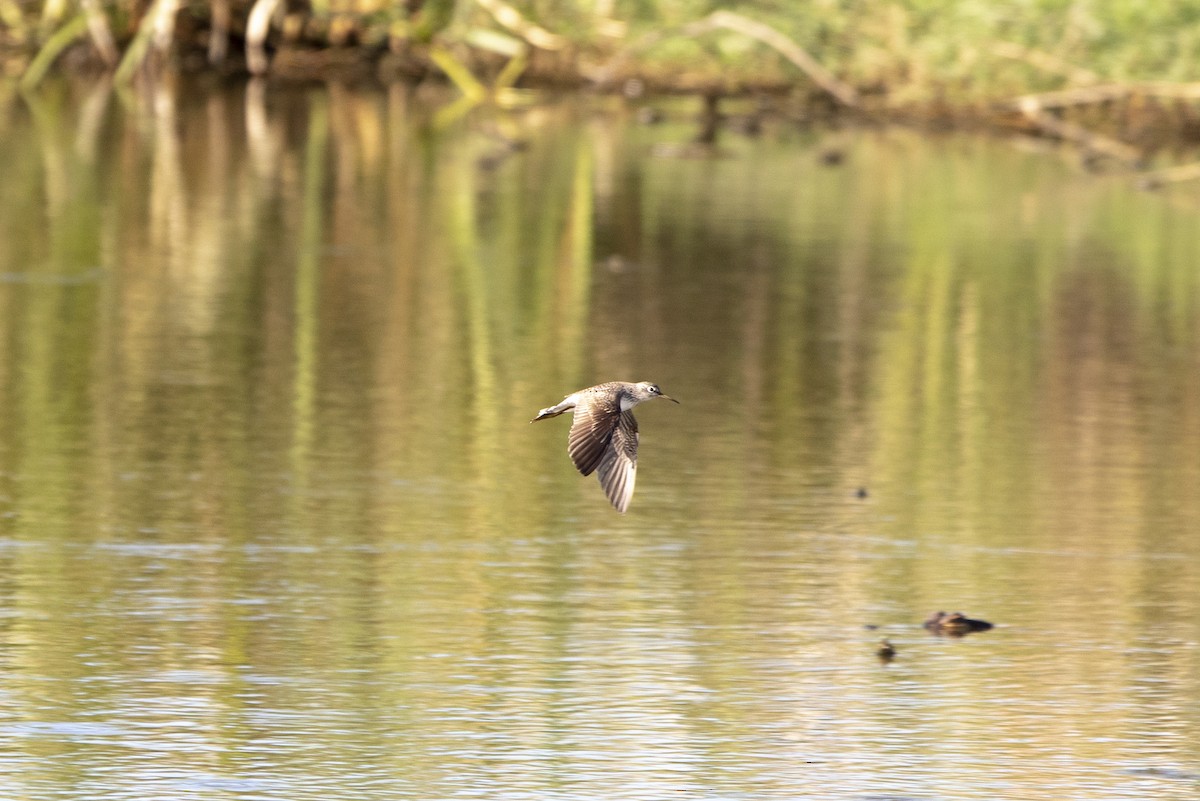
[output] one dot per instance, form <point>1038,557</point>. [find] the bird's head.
<point>649,391</point>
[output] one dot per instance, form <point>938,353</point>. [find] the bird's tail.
<point>550,411</point>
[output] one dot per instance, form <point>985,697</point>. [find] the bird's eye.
<point>654,390</point>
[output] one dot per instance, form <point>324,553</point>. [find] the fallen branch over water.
<point>1077,134</point>
<point>843,92</point>
<point>1103,93</point>
<point>1037,109</point>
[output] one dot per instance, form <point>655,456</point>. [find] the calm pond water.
<point>274,523</point>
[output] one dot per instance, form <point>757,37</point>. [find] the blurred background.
<point>274,523</point>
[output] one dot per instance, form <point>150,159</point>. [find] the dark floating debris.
<point>861,492</point>
<point>749,125</point>
<point>885,651</point>
<point>831,156</point>
<point>649,115</point>
<point>954,624</point>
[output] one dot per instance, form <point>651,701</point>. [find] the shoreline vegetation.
<point>1112,79</point>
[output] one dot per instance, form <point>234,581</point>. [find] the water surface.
<point>274,525</point>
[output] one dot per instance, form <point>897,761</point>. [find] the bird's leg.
<point>554,411</point>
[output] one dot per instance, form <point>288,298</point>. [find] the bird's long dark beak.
<point>667,397</point>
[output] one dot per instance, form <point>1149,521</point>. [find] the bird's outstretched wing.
<point>592,427</point>
<point>618,464</point>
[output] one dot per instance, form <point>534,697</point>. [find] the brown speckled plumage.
<point>604,433</point>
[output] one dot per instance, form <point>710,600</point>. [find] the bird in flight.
<point>604,433</point>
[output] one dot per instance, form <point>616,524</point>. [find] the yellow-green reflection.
<point>271,510</point>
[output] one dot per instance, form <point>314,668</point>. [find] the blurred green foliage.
<point>911,49</point>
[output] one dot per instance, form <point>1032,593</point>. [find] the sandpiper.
<point>604,433</point>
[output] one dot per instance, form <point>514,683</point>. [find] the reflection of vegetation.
<point>308,277</point>
<point>951,350</point>
<point>287,404</point>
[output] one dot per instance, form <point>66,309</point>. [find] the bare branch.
<point>1069,131</point>
<point>1103,93</point>
<point>786,47</point>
